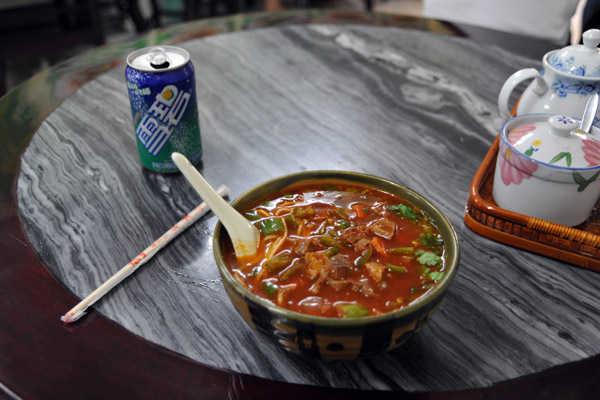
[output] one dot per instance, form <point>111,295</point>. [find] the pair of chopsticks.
<point>79,310</point>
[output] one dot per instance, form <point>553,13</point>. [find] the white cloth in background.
<point>546,19</point>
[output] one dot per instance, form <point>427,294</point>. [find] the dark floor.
<point>118,26</point>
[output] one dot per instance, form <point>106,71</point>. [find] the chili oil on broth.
<point>340,251</point>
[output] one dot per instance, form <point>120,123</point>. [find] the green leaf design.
<point>560,156</point>
<point>582,182</point>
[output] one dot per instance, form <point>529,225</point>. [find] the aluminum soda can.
<point>162,92</point>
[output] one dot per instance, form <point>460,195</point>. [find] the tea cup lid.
<point>581,59</point>
<point>556,141</point>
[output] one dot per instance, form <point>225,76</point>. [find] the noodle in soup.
<point>340,251</point>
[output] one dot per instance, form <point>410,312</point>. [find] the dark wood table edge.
<point>96,358</point>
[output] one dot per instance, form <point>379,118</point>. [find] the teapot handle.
<point>539,87</point>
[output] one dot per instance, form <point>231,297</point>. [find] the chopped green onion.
<point>332,251</point>
<point>432,241</point>
<point>279,261</point>
<point>353,310</point>
<point>271,226</point>
<point>342,223</point>
<point>291,270</point>
<point>270,288</point>
<point>321,228</point>
<point>291,221</point>
<point>331,241</point>
<point>364,257</point>
<point>252,215</point>
<point>396,268</point>
<point>289,196</point>
<point>340,212</point>
<point>402,250</point>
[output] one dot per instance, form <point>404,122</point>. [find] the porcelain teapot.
<point>563,86</point>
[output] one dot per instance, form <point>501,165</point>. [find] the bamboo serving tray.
<point>579,245</point>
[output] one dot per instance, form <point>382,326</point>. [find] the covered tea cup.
<point>547,168</point>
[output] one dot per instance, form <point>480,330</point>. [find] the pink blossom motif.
<point>591,151</point>
<point>517,133</point>
<point>514,169</point>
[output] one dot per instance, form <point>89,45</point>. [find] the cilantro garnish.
<point>436,275</point>
<point>428,258</point>
<point>403,209</point>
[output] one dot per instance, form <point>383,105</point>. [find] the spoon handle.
<point>589,114</point>
<point>242,233</point>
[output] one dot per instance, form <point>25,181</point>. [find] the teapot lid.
<point>580,59</point>
<point>556,141</point>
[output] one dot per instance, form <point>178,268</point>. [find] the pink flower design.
<point>517,133</point>
<point>591,149</point>
<point>514,169</point>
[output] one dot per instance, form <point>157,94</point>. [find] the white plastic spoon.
<point>242,233</point>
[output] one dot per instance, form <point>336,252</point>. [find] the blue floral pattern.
<point>564,87</point>
<point>565,120</point>
<point>568,66</point>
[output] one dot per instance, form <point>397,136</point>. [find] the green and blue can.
<point>162,92</point>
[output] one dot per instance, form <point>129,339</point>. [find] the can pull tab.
<point>158,58</point>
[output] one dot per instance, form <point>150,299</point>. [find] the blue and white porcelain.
<point>563,86</point>
<point>580,59</point>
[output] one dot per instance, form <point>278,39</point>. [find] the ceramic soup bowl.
<point>548,169</point>
<point>336,338</point>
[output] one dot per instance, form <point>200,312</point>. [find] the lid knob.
<point>579,60</point>
<point>561,125</point>
<point>591,39</point>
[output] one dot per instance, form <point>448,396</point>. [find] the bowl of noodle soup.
<point>348,264</point>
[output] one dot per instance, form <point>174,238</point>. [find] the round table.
<point>403,98</point>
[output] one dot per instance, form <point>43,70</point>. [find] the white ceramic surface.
<point>547,172</point>
<point>563,86</point>
<point>557,141</point>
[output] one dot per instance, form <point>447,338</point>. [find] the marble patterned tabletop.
<point>411,106</point>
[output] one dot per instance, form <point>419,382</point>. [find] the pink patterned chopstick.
<point>79,310</point>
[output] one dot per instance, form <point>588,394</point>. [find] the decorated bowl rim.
<point>452,248</point>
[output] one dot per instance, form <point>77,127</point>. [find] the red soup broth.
<point>340,251</point>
